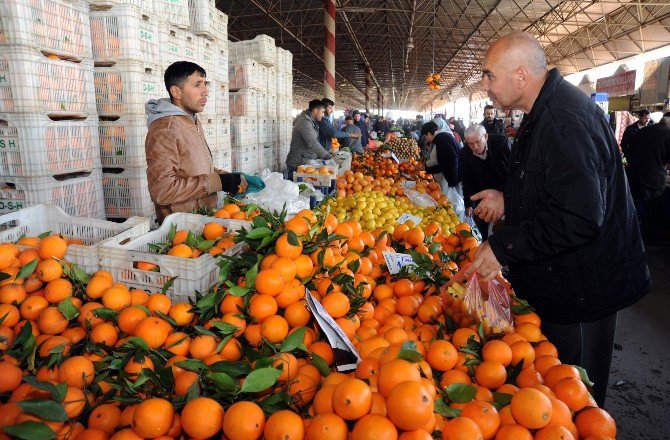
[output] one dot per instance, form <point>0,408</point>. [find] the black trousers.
<point>589,345</point>
<point>651,213</point>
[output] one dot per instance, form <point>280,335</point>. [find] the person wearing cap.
<point>360,123</point>
<point>305,144</point>
<point>354,142</point>
<point>327,129</point>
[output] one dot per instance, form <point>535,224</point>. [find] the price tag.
<point>394,157</point>
<point>408,184</point>
<point>396,261</point>
<point>407,217</point>
<point>346,356</point>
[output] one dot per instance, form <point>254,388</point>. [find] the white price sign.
<point>407,217</point>
<point>396,261</point>
<point>392,156</point>
<point>408,184</point>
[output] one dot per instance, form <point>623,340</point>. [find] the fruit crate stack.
<point>48,127</point>
<point>284,104</point>
<point>126,41</point>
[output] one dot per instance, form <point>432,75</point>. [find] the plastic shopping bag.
<point>456,201</point>
<point>422,200</point>
<point>489,303</point>
<point>470,220</point>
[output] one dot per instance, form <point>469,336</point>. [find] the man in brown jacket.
<point>180,171</point>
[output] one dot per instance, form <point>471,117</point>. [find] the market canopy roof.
<point>576,35</point>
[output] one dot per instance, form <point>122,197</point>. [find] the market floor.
<point>639,393</point>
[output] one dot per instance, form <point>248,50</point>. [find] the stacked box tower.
<point>284,105</point>
<point>48,123</point>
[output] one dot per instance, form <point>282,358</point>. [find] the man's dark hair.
<point>349,118</point>
<point>643,112</point>
<point>327,102</point>
<point>428,127</point>
<point>489,107</point>
<point>177,72</point>
<point>315,103</point>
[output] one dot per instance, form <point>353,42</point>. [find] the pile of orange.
<point>247,361</point>
<point>234,211</point>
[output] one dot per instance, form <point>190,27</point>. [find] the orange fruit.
<point>202,346</point>
<point>531,408</point>
<point>154,331</point>
<point>513,432</point>
<point>302,389</point>
<point>48,270</point>
<point>262,306</point>
<point>116,298</point>
<point>269,282</point>
<point>595,422</point>
<point>572,392</point>
<point>414,236</point>
<point>243,421</point>
<point>497,351</point>
<point>105,334</point>
<point>484,415</point>
<point>129,317</point>
<point>522,351</point>
<point>297,314</point>
<point>490,374</point>
<point>57,290</point>
<point>284,425</point>
<point>52,247</point>
<point>286,267</point>
<point>12,293</point>
<point>530,331</point>
<point>461,428</point>
<point>558,372</point>
<point>374,427</point>
<point>159,302</point>
<point>283,248</point>
<point>179,237</point>
<point>105,417</point>
<point>50,322</point>
<point>97,285</point>
<point>299,225</point>
<point>153,418</point>
<point>195,425</point>
<point>395,372</point>
<point>442,355</point>
<point>181,313</point>
<point>330,426</point>
<point>462,335</point>
<point>213,230</point>
<point>76,371</point>
<point>336,304</point>
<point>10,377</point>
<point>554,432</point>
<point>409,405</point>
<point>352,399</point>
<point>274,328</point>
<point>181,250</point>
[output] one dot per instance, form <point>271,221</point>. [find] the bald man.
<point>571,237</point>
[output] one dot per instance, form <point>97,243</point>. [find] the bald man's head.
<point>513,68</point>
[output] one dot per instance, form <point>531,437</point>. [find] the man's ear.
<point>175,91</point>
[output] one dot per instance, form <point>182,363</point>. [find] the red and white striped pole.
<point>368,80</point>
<point>329,49</point>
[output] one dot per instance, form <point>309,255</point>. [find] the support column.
<point>329,49</point>
<point>378,101</point>
<point>382,113</point>
<point>368,80</point>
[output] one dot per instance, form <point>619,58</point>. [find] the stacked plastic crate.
<point>126,42</point>
<point>48,127</point>
<point>251,61</point>
<point>284,105</point>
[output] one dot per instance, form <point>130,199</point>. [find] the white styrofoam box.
<point>34,145</point>
<point>126,192</point>
<point>122,142</point>
<point>223,159</point>
<point>244,74</point>
<point>125,87</point>
<point>124,32</point>
<point>174,12</point>
<point>58,27</point>
<point>263,130</point>
<point>243,131</point>
<point>222,99</point>
<point>33,83</point>
<point>190,274</point>
<point>262,49</point>
<point>177,45</point>
<point>245,159</point>
<point>39,219</point>
<point>262,99</point>
<point>244,102</point>
<point>208,21</point>
<point>221,63</point>
<point>80,195</point>
<point>210,126</point>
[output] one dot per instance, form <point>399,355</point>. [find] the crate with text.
<point>125,87</point>
<point>177,45</point>
<point>221,66</point>
<point>261,49</point>
<point>244,102</point>
<point>243,130</point>
<point>223,159</point>
<point>207,20</point>
<point>175,12</point>
<point>243,74</point>
<point>58,27</point>
<point>79,194</point>
<point>124,32</point>
<point>245,159</point>
<point>126,192</point>
<point>33,83</point>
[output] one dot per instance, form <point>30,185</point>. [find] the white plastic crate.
<point>80,195</point>
<point>208,21</point>
<point>222,103</point>
<point>243,74</point>
<point>288,62</point>
<point>34,145</point>
<point>272,129</point>
<point>124,88</point>
<point>58,27</point>
<point>206,55</point>
<point>244,102</point>
<point>272,80</point>
<point>124,32</point>
<point>284,107</point>
<point>245,159</point>
<point>215,95</point>
<point>261,49</point>
<point>266,157</point>
<point>191,274</point>
<point>177,45</point>
<point>280,60</point>
<point>174,12</point>
<point>33,83</point>
<point>280,90</point>
<point>122,142</point>
<point>223,160</point>
<point>264,130</point>
<point>38,219</point>
<point>271,104</point>
<point>262,100</point>
<point>243,131</point>
<point>263,77</point>
<point>210,126</point>
<point>224,133</point>
<point>126,193</point>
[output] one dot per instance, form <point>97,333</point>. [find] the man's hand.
<point>468,211</point>
<point>486,264</point>
<point>492,205</point>
<point>243,185</point>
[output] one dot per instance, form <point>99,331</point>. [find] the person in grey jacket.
<point>353,142</point>
<point>305,138</point>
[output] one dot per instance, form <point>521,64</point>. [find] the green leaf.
<point>193,391</point>
<point>460,392</point>
<point>258,233</point>
<point>261,379</point>
<point>136,342</point>
<point>44,234</point>
<point>292,239</point>
<point>172,232</point>
<point>79,275</point>
<point>191,240</point>
<point>45,409</point>
<point>206,245</point>
<point>209,300</point>
<point>27,270</point>
<point>105,313</point>
<point>293,340</point>
<point>233,369</point>
<point>503,399</point>
<point>409,352</point>
<point>57,391</point>
<point>250,277</point>
<point>224,327</point>
<point>584,375</point>
<point>238,290</point>
<point>513,372</point>
<point>222,381</point>
<point>168,285</point>
<point>445,410</point>
<point>68,309</point>
<point>30,431</point>
<point>320,364</point>
<point>192,365</point>
<point>166,318</point>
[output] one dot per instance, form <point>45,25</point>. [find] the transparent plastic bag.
<point>489,303</point>
<point>421,200</point>
<point>279,193</point>
<point>456,201</point>
<point>470,220</point>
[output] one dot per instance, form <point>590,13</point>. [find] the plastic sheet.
<point>421,200</point>
<point>279,192</point>
<point>456,201</point>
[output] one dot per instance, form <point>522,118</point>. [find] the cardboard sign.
<point>407,217</point>
<point>396,261</point>
<point>346,356</point>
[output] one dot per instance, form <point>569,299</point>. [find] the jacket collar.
<point>554,78</point>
